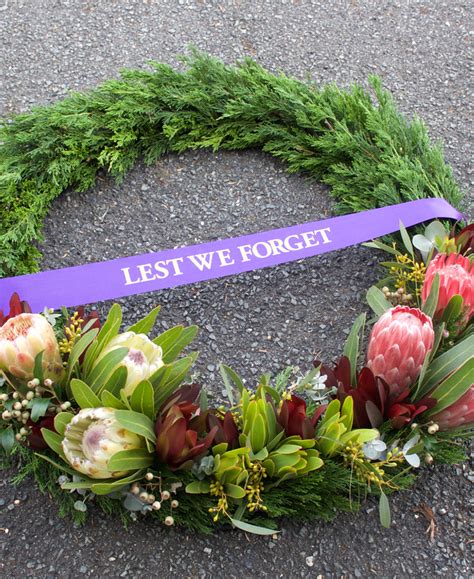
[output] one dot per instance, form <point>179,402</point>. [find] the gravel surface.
<point>258,321</point>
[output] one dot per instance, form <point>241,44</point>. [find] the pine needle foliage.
<point>363,148</point>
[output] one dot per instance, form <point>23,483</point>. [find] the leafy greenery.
<point>366,151</point>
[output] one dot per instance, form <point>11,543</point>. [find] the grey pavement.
<point>254,322</point>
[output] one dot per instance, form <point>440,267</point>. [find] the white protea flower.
<point>144,357</point>
<point>22,338</point>
<point>92,437</point>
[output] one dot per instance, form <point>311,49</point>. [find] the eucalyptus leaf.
<point>38,407</point>
<point>254,529</point>
<point>351,347</point>
<point>7,439</point>
<point>384,511</point>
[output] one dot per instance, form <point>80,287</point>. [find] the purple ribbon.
<point>83,284</point>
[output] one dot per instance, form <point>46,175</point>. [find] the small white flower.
<point>412,459</point>
<point>434,235</point>
<point>374,449</point>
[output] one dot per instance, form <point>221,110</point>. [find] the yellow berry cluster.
<point>255,488</point>
<point>371,472</point>
<point>217,490</point>
<point>409,271</point>
<point>73,332</point>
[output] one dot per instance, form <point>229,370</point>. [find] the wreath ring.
<point>104,416</point>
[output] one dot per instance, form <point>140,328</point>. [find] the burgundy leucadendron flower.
<point>456,277</point>
<point>17,307</point>
<point>374,400</point>
<point>35,438</point>
<point>398,345</point>
<point>294,420</point>
<point>179,437</point>
<point>465,240</point>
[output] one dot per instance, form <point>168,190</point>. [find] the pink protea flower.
<point>461,413</point>
<point>22,338</point>
<point>456,277</point>
<point>398,345</point>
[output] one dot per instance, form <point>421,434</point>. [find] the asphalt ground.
<point>255,322</point>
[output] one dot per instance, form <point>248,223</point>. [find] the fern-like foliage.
<point>366,151</point>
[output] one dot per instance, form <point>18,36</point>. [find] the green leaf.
<point>254,529</point>
<point>116,381</point>
<point>38,368</point>
<point>451,389</point>
<point>377,301</point>
<point>167,379</point>
<point>198,487</point>
<point>7,439</point>
<point>203,401</point>
<point>234,491</point>
<point>53,440</point>
<point>61,420</point>
<point>351,348</point>
<point>231,379</point>
<point>347,413</point>
<point>78,349</point>
<point>145,325</point>
<point>103,369</point>
<point>383,246</point>
<point>421,376</point>
<point>142,399</point>
<point>439,334</point>
<point>63,466</point>
<point>429,307</point>
<point>232,374</point>
<point>384,511</point>
<point>105,488</point>
<point>168,338</point>
<point>258,433</point>
<point>130,459</point>
<point>137,423</point>
<point>83,395</point>
<point>186,337</point>
<point>453,310</point>
<point>38,406</point>
<point>446,363</point>
<point>109,330</point>
<point>111,401</point>
<point>406,240</point>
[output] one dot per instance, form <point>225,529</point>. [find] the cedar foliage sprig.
<point>367,152</point>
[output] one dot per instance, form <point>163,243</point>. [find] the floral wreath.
<point>111,417</point>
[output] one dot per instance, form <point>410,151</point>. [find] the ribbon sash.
<point>93,282</point>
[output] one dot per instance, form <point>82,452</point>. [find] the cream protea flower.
<point>91,439</point>
<point>22,338</point>
<point>143,358</point>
